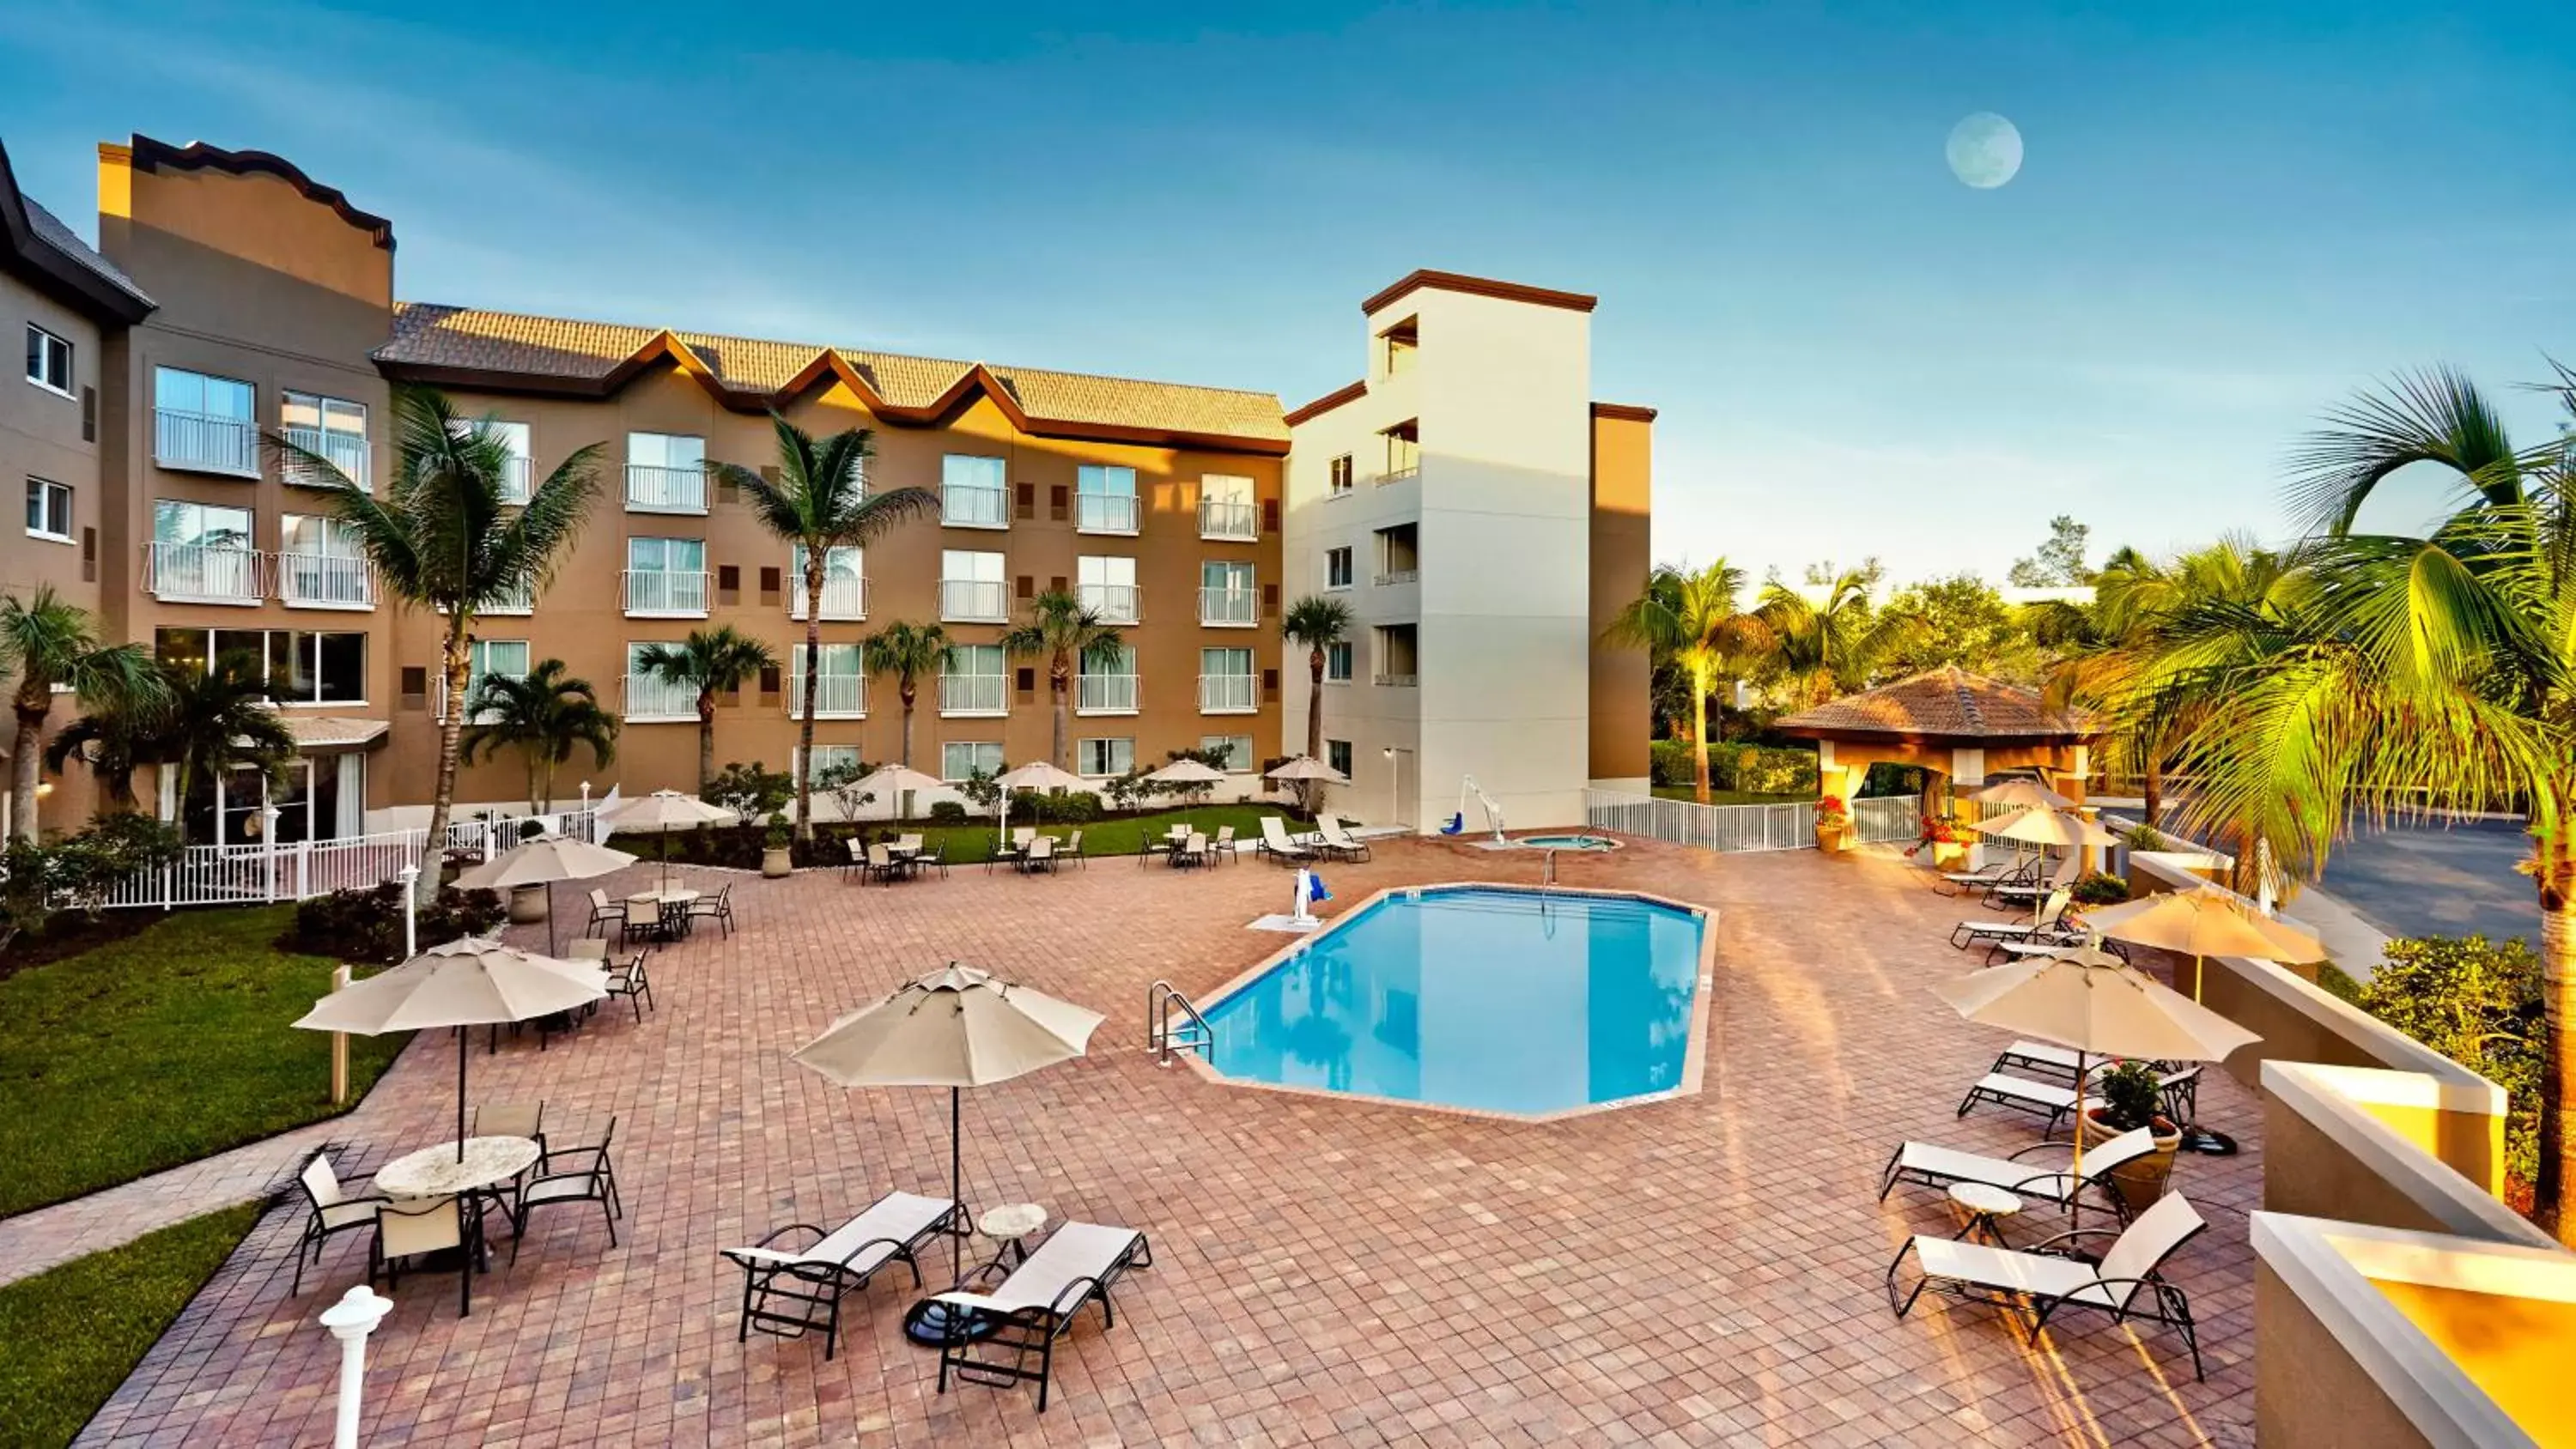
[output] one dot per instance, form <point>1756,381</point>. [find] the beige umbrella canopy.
<point>665,811</point>
<point>2203,923</point>
<point>1039,775</point>
<point>900,778</point>
<point>1188,772</point>
<point>543,862</point>
<point>1306,767</point>
<point>2044,826</point>
<point>2020,792</point>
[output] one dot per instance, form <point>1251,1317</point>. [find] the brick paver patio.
<point>1699,1271</point>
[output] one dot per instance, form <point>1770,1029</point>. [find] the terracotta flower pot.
<point>776,861</point>
<point>1949,854</point>
<point>1830,835</point>
<point>527,904</point>
<point>2141,1180</point>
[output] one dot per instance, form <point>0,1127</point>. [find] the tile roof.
<point>333,732</point>
<point>1944,703</point>
<point>63,239</point>
<point>588,355</point>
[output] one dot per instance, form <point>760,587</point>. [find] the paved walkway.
<point>32,1242</point>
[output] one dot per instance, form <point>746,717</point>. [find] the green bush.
<point>947,812</point>
<point>1074,807</point>
<point>2098,889</point>
<point>1765,770</point>
<point>1668,762</point>
<point>367,925</point>
<point>2478,1003</point>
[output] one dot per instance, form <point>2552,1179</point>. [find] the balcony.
<point>839,696</point>
<point>344,451</point>
<point>1114,603</point>
<point>665,594</point>
<point>652,700</point>
<point>205,443</point>
<point>973,601</point>
<point>1106,513</point>
<point>651,488</point>
<point>1398,576</point>
<point>325,581</point>
<point>1105,694</point>
<point>205,573</point>
<point>845,596</point>
<point>438,700</point>
<point>974,505</point>
<point>1229,693</point>
<point>971,694</point>
<point>1396,681</point>
<point>1405,474</point>
<point>518,479</point>
<point>519,600</point>
<point>1228,519</point>
<point>1229,608</point>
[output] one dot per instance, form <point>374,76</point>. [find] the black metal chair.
<point>630,982</point>
<point>335,1209</point>
<point>412,1229</point>
<point>603,911</point>
<point>718,909</point>
<point>571,1175</point>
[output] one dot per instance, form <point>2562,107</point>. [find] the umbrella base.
<point>2207,1142</point>
<point>934,1324</point>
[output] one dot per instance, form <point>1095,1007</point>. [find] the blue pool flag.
<point>1315,888</point>
<point>1457,824</point>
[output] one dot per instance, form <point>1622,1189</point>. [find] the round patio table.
<point>1008,1224</point>
<point>439,1171</point>
<point>1986,1206</point>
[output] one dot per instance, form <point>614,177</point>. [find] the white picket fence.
<point>1746,827</point>
<point>220,875</point>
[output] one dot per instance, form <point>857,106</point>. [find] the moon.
<point>1985,150</point>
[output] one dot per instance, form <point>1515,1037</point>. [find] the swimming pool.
<point>1567,842</point>
<point>1488,998</point>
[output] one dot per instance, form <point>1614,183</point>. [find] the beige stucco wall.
<point>1622,557</point>
<point>2307,1389</point>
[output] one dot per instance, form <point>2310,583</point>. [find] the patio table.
<point>440,1172</point>
<point>670,911</point>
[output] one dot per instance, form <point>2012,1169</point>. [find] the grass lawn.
<point>162,1048</point>
<point>972,843</point>
<point>1728,797</point>
<point>70,1335</point>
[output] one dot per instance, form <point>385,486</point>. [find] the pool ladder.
<point>1162,1036</point>
<point>1547,870</point>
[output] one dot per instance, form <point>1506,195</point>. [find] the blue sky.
<point>2230,215</point>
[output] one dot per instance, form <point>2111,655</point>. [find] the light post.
<point>409,875</point>
<point>268,841</point>
<point>350,1321</point>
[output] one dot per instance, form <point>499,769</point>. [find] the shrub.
<point>1074,807</point>
<point>2145,837</point>
<point>1669,762</point>
<point>2478,1003</point>
<point>367,925</point>
<point>752,791</point>
<point>2131,1098</point>
<point>947,812</point>
<point>2098,889</point>
<point>1768,771</point>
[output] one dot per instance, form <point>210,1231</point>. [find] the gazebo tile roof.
<point>1944,703</point>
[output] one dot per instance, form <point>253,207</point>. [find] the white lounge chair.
<point>2128,1284</point>
<point>2056,1100</point>
<point>1338,840</point>
<point>1926,1165</point>
<point>787,1291</point>
<point>1034,1304</point>
<point>1276,844</point>
<point>1968,933</point>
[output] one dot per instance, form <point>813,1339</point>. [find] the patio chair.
<point>1072,850</point>
<point>908,842</point>
<point>335,1209</point>
<point>717,908</point>
<point>2039,1281</point>
<point>2056,1100</point>
<point>1223,846</point>
<point>569,1175</point>
<point>789,1291</point>
<point>1021,835</point>
<point>1276,844</point>
<point>858,860</point>
<point>630,982</point>
<point>414,1228</point>
<point>1038,854</point>
<point>512,1119</point>
<point>1968,933</point>
<point>1338,841</point>
<point>1034,1304</point>
<point>588,948</point>
<point>1983,879</point>
<point>1925,1165</point>
<point>1192,851</point>
<point>932,856</point>
<point>881,864</point>
<point>602,911</point>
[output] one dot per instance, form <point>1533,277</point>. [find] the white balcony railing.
<point>651,488</point>
<point>1114,603</point>
<point>520,600</point>
<point>518,479</point>
<point>474,686</point>
<point>845,596</point>
<point>650,697</point>
<point>1105,694</point>
<point>1398,576</point>
<point>1395,681</point>
<point>670,594</point>
<point>204,442</point>
<point>325,581</point>
<point>344,451</point>
<point>1405,474</point>
<point>1105,513</point>
<point>1227,518</point>
<point>974,505</point>
<point>1228,606</point>
<point>971,694</point>
<point>839,696</point>
<point>973,601</point>
<point>203,573</point>
<point>1229,693</point>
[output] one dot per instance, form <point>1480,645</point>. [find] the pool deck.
<point>1704,1270</point>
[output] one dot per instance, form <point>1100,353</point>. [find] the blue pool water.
<point>1500,1000</point>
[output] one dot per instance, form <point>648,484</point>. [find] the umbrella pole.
<point>956,1187</point>
<point>2195,977</point>
<point>2075,1191</point>
<point>460,1094</point>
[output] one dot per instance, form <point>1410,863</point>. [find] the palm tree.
<point>1691,617</point>
<point>50,644</point>
<point>441,538</point>
<point>547,713</point>
<point>111,741</point>
<point>911,653</point>
<point>1064,634</point>
<point>1318,623</point>
<point>820,502</point>
<point>1835,646</point>
<point>216,722</point>
<point>713,661</point>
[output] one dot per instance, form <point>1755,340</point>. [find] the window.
<point>1236,749</point>
<point>49,510</point>
<point>1107,587</point>
<point>840,689</point>
<point>970,586</point>
<point>1226,595</point>
<point>518,475</point>
<point>1227,684</point>
<point>972,682</point>
<point>844,583</point>
<point>666,473</point>
<point>1105,757</point>
<point>1396,644</point>
<point>666,576</point>
<point>1105,499</point>
<point>1106,683</point>
<point>827,758</point>
<point>1397,345</point>
<point>320,563</point>
<point>1403,452</point>
<point>485,658</point>
<point>333,428</point>
<point>203,422</point>
<point>208,525</point>
<point>1339,481</point>
<point>1337,662</point>
<point>301,666</point>
<point>1226,509</point>
<point>1337,568</point>
<point>961,758</point>
<point>202,553</point>
<point>1337,753</point>
<point>49,361</point>
<point>650,697</point>
<point>971,492</point>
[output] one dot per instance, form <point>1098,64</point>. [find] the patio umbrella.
<point>1035,775</point>
<point>2042,826</point>
<point>2020,792</point>
<point>1188,774</point>
<point>957,1027</point>
<point>664,811</point>
<point>2086,998</point>
<point>466,982</point>
<point>543,862</point>
<point>902,780</point>
<point>2203,923</point>
<point>1306,767</point>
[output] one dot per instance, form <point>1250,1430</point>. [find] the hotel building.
<point>230,295</point>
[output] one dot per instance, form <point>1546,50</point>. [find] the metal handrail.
<point>1194,1034</point>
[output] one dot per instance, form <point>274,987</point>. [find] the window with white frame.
<point>844,582</point>
<point>1105,756</point>
<point>1236,750</point>
<point>1338,477</point>
<point>827,758</point>
<point>1105,499</point>
<point>1337,753</point>
<point>1337,662</point>
<point>1107,681</point>
<point>518,472</point>
<point>971,492</point>
<point>203,553</point>
<point>1337,568</point>
<point>49,361</point>
<point>179,521</point>
<point>334,429</point>
<point>666,473</point>
<point>1226,509</point>
<point>49,510</point>
<point>666,575</point>
<point>970,586</point>
<point>1107,587</point>
<point>1226,594</point>
<point>203,422</point>
<point>1227,684</point>
<point>321,563</point>
<point>961,758</point>
<point>839,689</point>
<point>487,658</point>
<point>971,680</point>
<point>650,696</point>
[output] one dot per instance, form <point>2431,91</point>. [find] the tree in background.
<point>911,653</point>
<point>710,661</point>
<point>2060,560</point>
<point>1318,622</point>
<point>49,644</point>
<point>218,722</point>
<point>547,715</point>
<point>1062,632</point>
<point>1832,645</point>
<point>1691,619</point>
<point>1965,621</point>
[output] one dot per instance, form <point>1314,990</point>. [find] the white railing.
<point>521,599</point>
<point>650,697</point>
<point>518,479</point>
<point>651,488</point>
<point>1228,606</point>
<point>1105,694</point>
<point>1226,518</point>
<point>1404,474</point>
<point>1105,512</point>
<point>1397,681</point>
<point>217,875</point>
<point>1788,826</point>
<point>973,600</point>
<point>344,451</point>
<point>325,581</point>
<point>1888,817</point>
<point>473,686</point>
<point>845,596</point>
<point>205,573</point>
<point>970,694</point>
<point>839,696</point>
<point>205,442</point>
<point>974,505</point>
<point>1114,603</point>
<point>1398,576</point>
<point>1229,693</point>
<point>667,592</point>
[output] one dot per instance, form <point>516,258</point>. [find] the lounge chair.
<point>1968,933</point>
<point>1276,844</point>
<point>335,1210</point>
<point>1035,1303</point>
<point>2128,1284</point>
<point>1926,1165</point>
<point>788,1291</point>
<point>1338,840</point>
<point>2178,1090</point>
<point>1983,879</point>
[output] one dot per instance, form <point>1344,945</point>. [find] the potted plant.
<point>1833,823</point>
<point>2132,1097</point>
<point>777,848</point>
<point>1949,848</point>
<point>528,902</point>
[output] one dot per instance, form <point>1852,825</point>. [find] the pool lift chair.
<point>1493,813</point>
